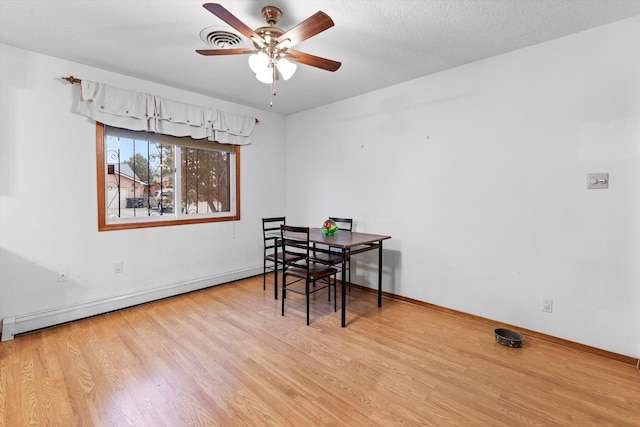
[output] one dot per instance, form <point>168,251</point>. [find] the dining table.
<point>347,244</point>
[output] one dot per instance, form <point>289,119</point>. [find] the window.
<point>150,180</point>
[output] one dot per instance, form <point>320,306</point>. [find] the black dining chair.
<point>333,256</point>
<point>272,258</point>
<point>300,274</point>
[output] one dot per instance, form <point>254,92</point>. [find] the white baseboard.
<point>19,324</point>
<point>8,325</point>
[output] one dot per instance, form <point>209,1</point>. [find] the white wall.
<point>48,203</point>
<point>479,175</point>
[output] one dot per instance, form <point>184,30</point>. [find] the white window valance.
<point>137,111</point>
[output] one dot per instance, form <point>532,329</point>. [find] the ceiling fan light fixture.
<point>286,68</point>
<point>259,62</point>
<point>265,76</point>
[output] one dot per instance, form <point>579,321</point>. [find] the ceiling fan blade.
<point>236,51</point>
<point>315,24</point>
<point>314,61</point>
<point>222,13</point>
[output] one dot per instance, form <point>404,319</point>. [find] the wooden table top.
<point>344,239</point>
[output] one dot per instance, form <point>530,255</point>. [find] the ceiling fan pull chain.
<point>273,92</point>
<point>273,84</point>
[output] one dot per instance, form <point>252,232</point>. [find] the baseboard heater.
<point>12,326</point>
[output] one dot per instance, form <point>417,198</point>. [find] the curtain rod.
<point>76,81</point>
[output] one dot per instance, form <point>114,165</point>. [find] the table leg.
<point>344,296</point>
<point>380,274</point>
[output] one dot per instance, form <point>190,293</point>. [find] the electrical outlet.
<point>117,267</point>
<point>63,275</point>
<point>547,304</point>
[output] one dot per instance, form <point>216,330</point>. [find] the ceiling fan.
<point>271,57</point>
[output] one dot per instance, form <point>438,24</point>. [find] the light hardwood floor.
<point>224,356</point>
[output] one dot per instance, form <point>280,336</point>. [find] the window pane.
<point>139,178</point>
<point>205,181</point>
<point>161,179</point>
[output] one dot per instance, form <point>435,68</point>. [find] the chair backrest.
<point>270,227</point>
<point>343,223</point>
<point>295,245</point>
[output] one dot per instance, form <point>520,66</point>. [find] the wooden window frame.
<point>102,215</point>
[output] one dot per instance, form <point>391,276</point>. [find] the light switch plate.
<point>598,181</point>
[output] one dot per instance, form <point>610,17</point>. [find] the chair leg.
<point>283,291</point>
<point>264,275</point>
<point>307,295</point>
<point>335,292</point>
<point>275,280</point>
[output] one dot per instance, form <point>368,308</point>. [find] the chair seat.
<point>326,258</point>
<point>316,272</point>
<point>278,258</point>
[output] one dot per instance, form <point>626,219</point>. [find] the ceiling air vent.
<point>221,39</point>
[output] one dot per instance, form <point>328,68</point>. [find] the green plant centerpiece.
<point>329,227</point>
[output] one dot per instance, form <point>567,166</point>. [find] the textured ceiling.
<point>379,42</point>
